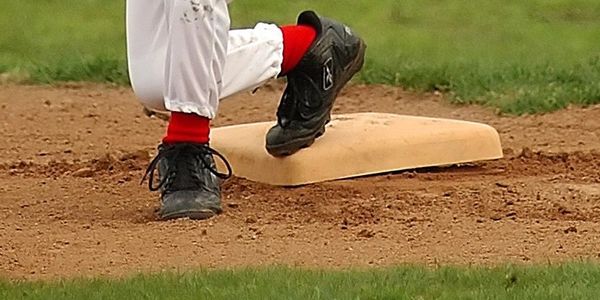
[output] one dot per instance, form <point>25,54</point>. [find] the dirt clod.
<point>571,229</point>
<point>366,233</point>
<point>83,173</point>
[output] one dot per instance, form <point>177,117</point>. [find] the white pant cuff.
<point>190,108</point>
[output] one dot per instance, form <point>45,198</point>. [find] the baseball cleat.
<point>189,182</point>
<point>335,56</point>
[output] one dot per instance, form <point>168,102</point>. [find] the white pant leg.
<point>147,34</point>
<point>254,56</point>
<point>179,71</point>
<point>183,43</point>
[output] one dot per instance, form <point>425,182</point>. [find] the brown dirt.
<point>71,204</point>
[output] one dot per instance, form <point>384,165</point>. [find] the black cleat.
<point>189,182</point>
<point>333,59</point>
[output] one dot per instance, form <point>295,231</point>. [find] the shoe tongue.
<point>311,19</point>
<point>185,162</point>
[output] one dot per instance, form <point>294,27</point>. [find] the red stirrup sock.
<point>187,128</point>
<point>297,39</point>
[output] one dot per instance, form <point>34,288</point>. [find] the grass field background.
<point>520,56</point>
<point>573,281</point>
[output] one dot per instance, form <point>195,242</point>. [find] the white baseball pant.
<point>183,56</point>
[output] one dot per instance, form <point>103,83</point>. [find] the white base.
<point>357,145</point>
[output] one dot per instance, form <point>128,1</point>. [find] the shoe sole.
<point>297,144</point>
<point>198,215</point>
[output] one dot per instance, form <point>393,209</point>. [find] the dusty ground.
<point>71,204</point>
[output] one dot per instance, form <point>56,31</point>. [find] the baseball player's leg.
<point>177,52</point>
<point>262,53</point>
<point>188,40</point>
<point>254,55</point>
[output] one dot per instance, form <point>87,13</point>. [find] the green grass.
<point>519,56</point>
<point>64,40</point>
<point>572,281</point>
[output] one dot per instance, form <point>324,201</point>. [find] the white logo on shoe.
<point>348,30</point>
<point>328,75</point>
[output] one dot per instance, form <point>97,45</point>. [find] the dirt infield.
<point>71,205</point>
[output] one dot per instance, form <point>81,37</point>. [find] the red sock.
<point>297,39</point>
<point>190,128</point>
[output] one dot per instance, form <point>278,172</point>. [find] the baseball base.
<point>358,145</point>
